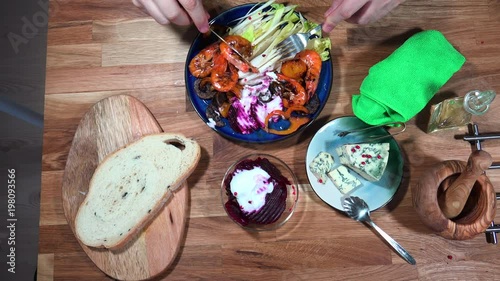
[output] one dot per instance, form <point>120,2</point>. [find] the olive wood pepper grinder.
<point>453,200</point>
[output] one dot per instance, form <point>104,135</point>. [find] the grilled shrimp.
<point>201,65</point>
<point>224,75</point>
<point>243,46</point>
<point>313,61</point>
<point>299,95</point>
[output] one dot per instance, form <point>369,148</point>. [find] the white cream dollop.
<point>250,188</point>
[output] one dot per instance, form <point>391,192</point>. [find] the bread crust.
<point>158,206</point>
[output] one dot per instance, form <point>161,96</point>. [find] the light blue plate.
<point>376,194</point>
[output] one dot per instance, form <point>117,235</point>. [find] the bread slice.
<point>131,185</point>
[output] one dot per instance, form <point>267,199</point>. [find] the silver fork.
<point>295,43</point>
<point>400,125</point>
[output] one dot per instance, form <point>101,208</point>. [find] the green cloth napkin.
<point>399,87</point>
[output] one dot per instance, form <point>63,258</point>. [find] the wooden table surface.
<point>100,48</point>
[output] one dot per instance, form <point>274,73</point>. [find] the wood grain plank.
<point>86,10</point>
<point>51,209</point>
<point>67,264</point>
<point>58,239</point>
<point>207,259</point>
<point>45,267</point>
<point>144,52</point>
<point>66,109</point>
<point>56,152</point>
<point>81,56</point>
<point>292,255</point>
<point>140,29</point>
<point>71,80</point>
<point>69,33</point>
<point>376,273</point>
<point>223,231</point>
<point>466,270</point>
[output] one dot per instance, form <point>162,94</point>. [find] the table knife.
<point>231,47</point>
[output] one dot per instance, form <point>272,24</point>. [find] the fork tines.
<point>288,50</point>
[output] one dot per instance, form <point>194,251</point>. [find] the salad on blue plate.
<point>261,97</point>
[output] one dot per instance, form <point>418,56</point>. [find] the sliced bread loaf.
<point>131,185</point>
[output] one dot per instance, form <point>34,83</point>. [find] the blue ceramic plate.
<point>376,194</point>
<point>228,18</point>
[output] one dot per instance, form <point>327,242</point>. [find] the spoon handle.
<point>401,251</point>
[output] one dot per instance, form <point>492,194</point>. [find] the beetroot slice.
<point>272,210</point>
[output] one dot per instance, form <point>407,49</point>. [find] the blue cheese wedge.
<point>321,165</point>
<point>343,180</point>
<point>369,160</point>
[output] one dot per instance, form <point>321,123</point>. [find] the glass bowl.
<point>259,207</point>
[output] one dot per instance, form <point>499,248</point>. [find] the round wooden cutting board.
<point>108,125</point>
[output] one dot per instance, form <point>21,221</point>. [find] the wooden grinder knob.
<point>454,197</point>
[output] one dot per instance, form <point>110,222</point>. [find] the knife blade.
<point>231,47</point>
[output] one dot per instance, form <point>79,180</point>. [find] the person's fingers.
<point>365,15</point>
<point>197,13</point>
<point>173,12</point>
<point>154,11</point>
<point>340,11</point>
<point>137,3</point>
<point>180,12</point>
<point>333,7</point>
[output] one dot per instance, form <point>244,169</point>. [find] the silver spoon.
<point>357,209</point>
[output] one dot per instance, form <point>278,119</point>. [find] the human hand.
<point>357,11</point>
<point>180,12</point>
